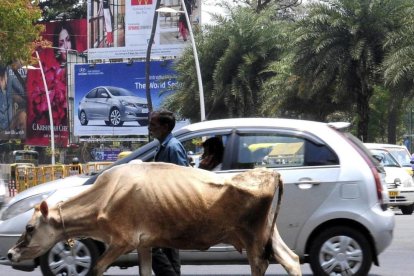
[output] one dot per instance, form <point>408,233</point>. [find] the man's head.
<point>161,124</point>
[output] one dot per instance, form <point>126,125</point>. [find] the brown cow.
<point>140,206</point>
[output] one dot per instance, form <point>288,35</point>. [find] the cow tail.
<point>268,247</point>
<point>279,202</point>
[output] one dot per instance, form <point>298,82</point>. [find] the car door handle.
<point>307,183</point>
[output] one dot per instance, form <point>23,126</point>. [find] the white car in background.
<point>399,152</point>
<point>400,183</point>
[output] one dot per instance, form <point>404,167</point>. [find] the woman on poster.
<point>63,41</point>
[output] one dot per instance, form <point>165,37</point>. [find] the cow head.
<point>40,235</point>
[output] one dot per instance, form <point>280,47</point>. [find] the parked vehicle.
<point>334,213</point>
<point>114,105</point>
<point>400,183</point>
<point>400,153</point>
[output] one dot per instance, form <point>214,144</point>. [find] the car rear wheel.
<point>115,117</point>
<point>340,250</point>
<point>64,260</point>
<point>407,210</point>
<point>83,119</point>
<point>143,122</point>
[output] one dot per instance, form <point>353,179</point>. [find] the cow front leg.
<point>284,256</point>
<point>145,261</point>
<point>107,258</point>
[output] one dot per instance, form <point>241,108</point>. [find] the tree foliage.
<point>19,34</point>
<point>233,56</point>
<point>62,10</point>
<point>260,5</point>
<point>339,45</point>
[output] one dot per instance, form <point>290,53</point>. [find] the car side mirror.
<point>105,95</point>
<point>378,157</point>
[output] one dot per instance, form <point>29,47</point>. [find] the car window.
<point>102,93</point>
<point>386,159</point>
<point>275,150</point>
<point>118,91</point>
<point>194,147</point>
<point>91,94</point>
<point>402,156</point>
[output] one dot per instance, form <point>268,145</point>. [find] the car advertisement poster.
<point>122,28</point>
<point>65,36</point>
<point>110,98</point>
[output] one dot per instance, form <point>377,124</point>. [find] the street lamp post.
<point>199,79</point>
<point>49,106</point>
<point>52,131</point>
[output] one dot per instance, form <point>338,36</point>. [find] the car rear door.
<point>309,169</point>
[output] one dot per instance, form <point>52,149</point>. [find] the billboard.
<point>65,36</point>
<point>110,98</point>
<point>12,103</point>
<point>122,28</point>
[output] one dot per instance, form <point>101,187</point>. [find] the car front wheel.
<point>340,250</point>
<point>64,260</point>
<point>115,117</point>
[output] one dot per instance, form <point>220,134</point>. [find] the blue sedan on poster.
<point>110,99</point>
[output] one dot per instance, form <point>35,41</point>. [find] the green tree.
<point>340,44</point>
<point>18,31</point>
<point>398,68</point>
<point>233,57</point>
<point>62,10</point>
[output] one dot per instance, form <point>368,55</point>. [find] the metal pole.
<point>52,132</point>
<point>200,81</point>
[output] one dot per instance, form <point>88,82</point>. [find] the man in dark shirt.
<point>166,261</point>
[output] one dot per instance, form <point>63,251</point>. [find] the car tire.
<point>143,122</point>
<point>407,210</point>
<point>115,117</point>
<point>83,119</point>
<point>60,261</point>
<point>340,248</point>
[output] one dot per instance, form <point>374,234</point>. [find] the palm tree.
<point>398,68</point>
<point>340,44</point>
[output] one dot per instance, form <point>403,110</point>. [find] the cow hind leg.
<point>258,264</point>
<point>284,256</point>
<point>145,260</point>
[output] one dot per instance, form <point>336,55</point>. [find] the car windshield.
<point>386,159</point>
<point>401,155</point>
<point>118,92</point>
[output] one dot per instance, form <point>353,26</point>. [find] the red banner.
<point>65,36</point>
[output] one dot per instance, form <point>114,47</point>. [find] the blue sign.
<point>110,99</point>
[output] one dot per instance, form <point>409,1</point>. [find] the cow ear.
<point>44,209</point>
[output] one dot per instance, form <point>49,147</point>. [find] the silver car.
<point>334,213</point>
<point>114,105</point>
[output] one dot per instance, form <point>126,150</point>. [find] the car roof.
<point>260,122</point>
<point>378,145</point>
